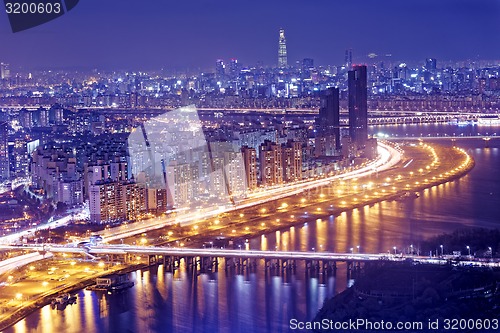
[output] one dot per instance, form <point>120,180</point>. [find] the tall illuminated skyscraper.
<point>220,69</point>
<point>282,57</point>
<point>358,105</point>
<point>328,124</point>
<point>348,59</point>
<point>4,71</point>
<point>431,65</point>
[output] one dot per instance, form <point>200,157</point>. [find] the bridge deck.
<point>225,253</point>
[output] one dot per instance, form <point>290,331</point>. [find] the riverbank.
<point>415,293</point>
<point>26,308</point>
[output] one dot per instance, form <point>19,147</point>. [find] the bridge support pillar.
<point>312,268</point>
<point>207,264</point>
<point>229,264</point>
<point>353,269</point>
<point>152,260</point>
<point>171,263</point>
<point>190,264</point>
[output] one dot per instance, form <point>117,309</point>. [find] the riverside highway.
<point>22,260</point>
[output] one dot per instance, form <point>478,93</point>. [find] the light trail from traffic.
<point>74,214</point>
<point>22,260</point>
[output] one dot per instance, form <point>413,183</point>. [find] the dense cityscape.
<point>65,133</point>
<point>259,170</point>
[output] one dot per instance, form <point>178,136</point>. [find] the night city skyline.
<point>236,166</point>
<point>124,35</point>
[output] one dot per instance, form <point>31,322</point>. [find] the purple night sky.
<point>154,34</point>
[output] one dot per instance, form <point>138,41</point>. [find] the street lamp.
<point>358,248</point>
<point>351,249</point>
<point>442,250</point>
<point>468,248</point>
<point>395,249</point>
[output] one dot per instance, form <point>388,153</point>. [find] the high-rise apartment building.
<point>235,176</point>
<point>358,105</point>
<point>114,200</point>
<point>250,162</point>
<point>292,161</point>
<point>4,151</point>
<point>156,200</point>
<point>54,169</point>
<point>271,167</point>
<point>182,182</point>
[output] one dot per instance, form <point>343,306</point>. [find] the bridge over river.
<point>207,259</point>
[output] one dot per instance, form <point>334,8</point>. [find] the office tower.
<point>348,58</point>
<point>219,69</point>
<point>4,71</point>
<point>270,159</point>
<point>328,124</point>
<point>431,65</point>
<point>358,105</point>
<point>282,57</point>
<point>4,150</point>
<point>307,64</point>
<point>292,160</point>
<point>234,68</point>
<point>250,163</point>
<point>43,117</point>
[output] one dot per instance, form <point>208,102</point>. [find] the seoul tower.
<point>282,59</point>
